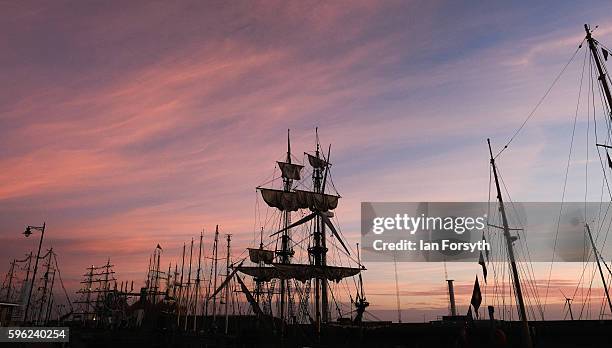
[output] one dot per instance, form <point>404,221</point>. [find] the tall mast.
<point>324,285</point>
<point>29,267</point>
<point>174,278</point>
<point>517,283</point>
<point>319,250</point>
<point>180,296</point>
<point>603,279</point>
<point>25,282</point>
<point>215,259</point>
<point>188,286</point>
<point>168,280</point>
<point>158,252</point>
<point>106,285</point>
<point>209,283</point>
<point>360,301</point>
<point>10,282</point>
<point>227,285</point>
<point>197,289</point>
<point>602,75</point>
<point>361,292</point>
<point>50,300</point>
<point>604,82</point>
<point>258,282</point>
<point>44,292</point>
<point>148,277</point>
<point>285,252</point>
<point>89,282</point>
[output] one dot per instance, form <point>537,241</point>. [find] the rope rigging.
<point>302,243</point>
<point>597,72</point>
<point>541,100</point>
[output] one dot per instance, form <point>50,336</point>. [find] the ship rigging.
<point>300,262</point>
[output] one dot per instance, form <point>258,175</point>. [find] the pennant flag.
<point>476,297</point>
<point>609,160</point>
<point>605,53</point>
<point>486,250</point>
<point>481,262</point>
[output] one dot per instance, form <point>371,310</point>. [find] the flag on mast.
<point>476,297</point>
<point>481,262</point>
<point>486,250</point>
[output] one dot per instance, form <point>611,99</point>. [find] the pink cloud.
<point>148,131</point>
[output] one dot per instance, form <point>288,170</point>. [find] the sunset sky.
<point>125,124</point>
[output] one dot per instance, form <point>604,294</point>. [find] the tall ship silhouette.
<point>300,269</point>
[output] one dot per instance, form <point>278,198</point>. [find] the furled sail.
<point>316,201</point>
<point>298,199</point>
<point>316,162</point>
<point>299,272</point>
<point>305,272</point>
<point>290,170</point>
<point>261,255</point>
<point>264,274</point>
<point>282,200</point>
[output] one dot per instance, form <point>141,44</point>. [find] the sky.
<point>128,124</point>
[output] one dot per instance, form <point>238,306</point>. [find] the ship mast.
<point>197,289</point>
<point>509,240</point>
<point>158,252</point>
<point>603,278</point>
<point>46,283</point>
<point>360,300</point>
<point>258,282</point>
<point>604,83</point>
<point>285,253</point>
<point>50,300</point>
<point>180,296</point>
<point>318,250</point>
<point>227,286</point>
<point>11,276</point>
<point>214,271</point>
<point>602,75</point>
<point>188,301</point>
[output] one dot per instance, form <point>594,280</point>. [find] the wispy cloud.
<point>127,127</point>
